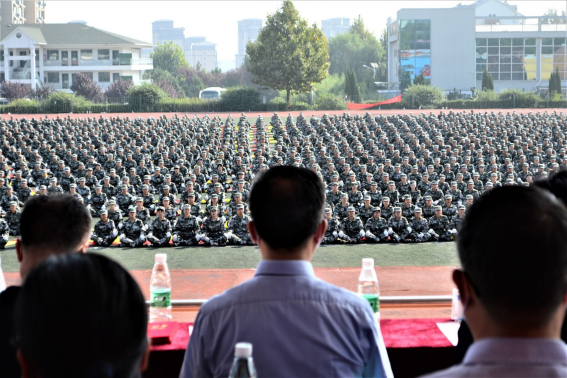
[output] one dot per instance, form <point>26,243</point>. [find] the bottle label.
<point>373,300</point>
<point>162,299</point>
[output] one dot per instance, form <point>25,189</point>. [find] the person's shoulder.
<point>8,297</point>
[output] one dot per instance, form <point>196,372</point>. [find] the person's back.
<point>299,325</point>
<point>513,290</point>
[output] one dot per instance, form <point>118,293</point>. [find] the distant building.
<point>52,54</point>
<point>335,26</point>
<point>34,12</point>
<point>247,31</point>
<point>163,31</point>
<point>198,50</point>
<point>452,47</point>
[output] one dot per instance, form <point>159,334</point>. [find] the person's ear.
<point>466,291</point>
<point>252,231</point>
<point>19,251</point>
<point>28,368</point>
<point>320,233</point>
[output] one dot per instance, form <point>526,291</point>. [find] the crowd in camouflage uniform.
<point>399,178</point>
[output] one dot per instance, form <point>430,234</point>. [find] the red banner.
<point>353,106</point>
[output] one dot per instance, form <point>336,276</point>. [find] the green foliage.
<point>521,97</point>
<point>419,80</point>
<point>555,83</point>
<point>142,96</point>
<point>241,98</point>
<point>23,102</point>
<point>288,54</point>
<point>358,28</point>
<point>330,102</point>
<point>487,81</point>
<point>423,96</point>
<point>352,90</point>
<point>168,57</point>
<point>279,103</point>
<point>486,95</point>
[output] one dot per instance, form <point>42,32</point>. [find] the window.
<point>104,77</point>
<point>53,77</point>
<point>2,55</point>
<point>65,80</point>
<point>104,54</point>
<point>64,58</point>
<point>510,58</point>
<point>86,54</point>
<point>115,76</point>
<point>52,55</point>
<point>126,78</point>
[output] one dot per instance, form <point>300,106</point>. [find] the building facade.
<point>52,54</point>
<point>202,53</point>
<point>247,31</point>
<point>22,12</point>
<point>452,47</point>
<point>335,26</point>
<point>163,31</point>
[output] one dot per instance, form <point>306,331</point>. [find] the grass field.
<point>427,254</point>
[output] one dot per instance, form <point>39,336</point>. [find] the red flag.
<point>353,106</point>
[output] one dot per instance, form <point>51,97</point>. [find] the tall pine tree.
<point>487,81</point>
<point>347,85</point>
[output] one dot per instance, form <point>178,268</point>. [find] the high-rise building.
<point>335,26</point>
<point>247,31</point>
<point>34,12</point>
<point>199,51</point>
<point>163,31</point>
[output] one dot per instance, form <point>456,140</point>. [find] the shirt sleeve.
<point>377,363</point>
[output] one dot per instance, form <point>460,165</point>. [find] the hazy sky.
<point>217,20</point>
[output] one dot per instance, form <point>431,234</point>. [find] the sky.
<point>217,20</point>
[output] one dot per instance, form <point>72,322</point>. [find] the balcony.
<point>98,62</point>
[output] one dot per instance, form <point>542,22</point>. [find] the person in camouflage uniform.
<point>186,228</point>
<point>238,227</point>
<point>170,212</point>
<point>448,208</point>
<point>105,232</point>
<point>124,200</point>
<point>387,208</point>
<point>376,227</point>
<point>195,207</point>
<point>398,227</point>
<point>235,201</point>
<point>428,209</point>
<point>334,196</point>
<point>53,188</point>
<point>439,223</point>
<point>333,228</point>
<point>160,230</point>
<point>366,210</point>
<point>7,199</point>
<point>133,231</point>
<point>375,194</point>
<point>142,213</point>
<point>420,227</point>
<point>213,229</point>
<point>408,209</point>
<point>352,230</point>
<point>4,233</point>
<point>12,217</point>
<point>114,214</point>
<point>457,219</point>
<point>97,201</point>
<point>435,193</point>
<point>342,208</point>
<point>23,192</point>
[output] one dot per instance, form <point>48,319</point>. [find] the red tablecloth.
<point>397,333</point>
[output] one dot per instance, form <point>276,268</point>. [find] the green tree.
<point>419,79</point>
<point>348,85</point>
<point>359,29</point>
<point>288,54</point>
<point>487,81</point>
<point>352,89</point>
<point>169,57</point>
<point>554,13</point>
<point>555,83</point>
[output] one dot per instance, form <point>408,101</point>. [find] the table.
<point>415,347</point>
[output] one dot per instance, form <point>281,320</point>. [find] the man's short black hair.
<point>81,315</point>
<point>56,222</point>
<point>512,248</point>
<point>286,204</point>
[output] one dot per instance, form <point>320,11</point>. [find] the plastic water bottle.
<point>243,365</point>
<point>160,290</point>
<point>368,287</point>
<point>2,280</point>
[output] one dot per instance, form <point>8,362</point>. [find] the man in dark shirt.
<point>49,225</point>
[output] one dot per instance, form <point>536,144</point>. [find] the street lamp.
<point>373,68</point>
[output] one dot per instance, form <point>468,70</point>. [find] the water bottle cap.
<point>243,350</point>
<point>161,258</point>
<point>368,263</point>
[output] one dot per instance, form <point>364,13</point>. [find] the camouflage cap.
<point>427,198</point>
<point>43,187</point>
<point>13,203</point>
<point>112,202</point>
<point>132,209</point>
<point>70,186</point>
<point>448,196</point>
<point>437,208</point>
<point>461,207</point>
<point>103,211</point>
<point>344,195</point>
<point>417,210</point>
<point>139,199</point>
<point>214,208</point>
<point>350,208</point>
<point>375,208</point>
<point>239,206</point>
<point>186,207</point>
<point>160,208</point>
<point>328,210</point>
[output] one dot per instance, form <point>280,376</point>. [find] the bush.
<point>61,102</point>
<point>84,86</point>
<point>142,97</point>
<point>241,99</point>
<point>522,99</point>
<point>423,96</point>
<point>487,96</point>
<point>118,89</point>
<point>330,102</point>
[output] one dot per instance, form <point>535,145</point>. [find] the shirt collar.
<point>285,268</point>
<point>519,351</point>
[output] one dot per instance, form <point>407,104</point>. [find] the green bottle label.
<point>160,299</point>
<point>373,300</point>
